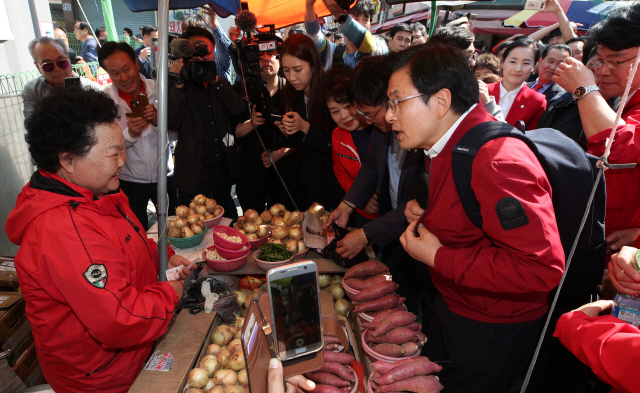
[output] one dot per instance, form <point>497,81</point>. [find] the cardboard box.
<point>8,274</point>
<point>11,313</point>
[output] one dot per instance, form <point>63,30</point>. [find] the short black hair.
<point>147,30</point>
<point>555,33</point>
<point>619,30</point>
<point>84,26</point>
<point>562,47</point>
<point>334,84</point>
<point>363,7</point>
<point>523,43</point>
<point>128,30</point>
<point>99,30</point>
<point>488,61</point>
<point>196,20</point>
<point>193,31</point>
<point>112,47</point>
<point>419,26</point>
<point>436,67</point>
<point>576,39</point>
<point>60,27</point>
<point>502,45</point>
<point>369,81</point>
<point>338,36</point>
<point>457,37</point>
<point>328,34</point>
<point>57,126</point>
<point>401,27</point>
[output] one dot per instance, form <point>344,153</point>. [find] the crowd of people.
<point>366,127</point>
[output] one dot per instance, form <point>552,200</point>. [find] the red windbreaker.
<point>346,162</point>
<point>89,280</point>
<point>609,346</point>
<point>491,274</point>
<point>622,183</point>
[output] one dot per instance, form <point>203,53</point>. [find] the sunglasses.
<point>48,67</point>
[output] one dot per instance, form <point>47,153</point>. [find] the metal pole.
<point>163,153</point>
<point>34,18</point>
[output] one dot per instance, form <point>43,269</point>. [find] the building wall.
<point>121,13</point>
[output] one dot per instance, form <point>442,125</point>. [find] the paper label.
<point>160,362</point>
<point>173,274</point>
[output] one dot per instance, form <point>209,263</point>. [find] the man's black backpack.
<point>571,173</point>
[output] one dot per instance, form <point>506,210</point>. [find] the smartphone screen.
<point>72,82</point>
<point>276,117</point>
<point>295,309</point>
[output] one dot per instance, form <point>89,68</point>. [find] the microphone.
<point>181,48</point>
<point>246,21</point>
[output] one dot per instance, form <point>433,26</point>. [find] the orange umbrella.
<point>283,13</point>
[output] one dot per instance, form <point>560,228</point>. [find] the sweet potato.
<point>421,339</point>
<point>337,369</point>
<point>414,326</point>
<point>333,347</point>
<point>329,339</point>
<point>419,384</point>
<point>338,357</point>
<point>383,367</point>
<point>417,366</point>
<point>395,319</point>
<point>409,349</point>
<point>320,388</point>
<point>391,350</point>
<point>367,268</point>
<point>373,377</point>
<point>328,379</point>
<point>385,302</point>
<point>369,325</point>
<point>376,291</point>
<point>399,335</point>
<point>360,284</point>
<point>381,316</point>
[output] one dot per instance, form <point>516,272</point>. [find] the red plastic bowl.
<point>349,291</point>
<point>224,243</point>
<point>260,242</point>
<point>301,255</point>
<point>214,221</point>
<point>231,254</point>
<point>226,266</point>
<point>374,356</point>
<point>264,265</point>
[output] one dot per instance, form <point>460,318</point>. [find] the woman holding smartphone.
<point>306,122</point>
<point>517,101</point>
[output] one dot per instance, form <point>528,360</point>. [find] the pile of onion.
<point>319,212</point>
<point>251,225</point>
<point>189,220</point>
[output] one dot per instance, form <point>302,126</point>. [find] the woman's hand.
<point>484,92</point>
<point>292,122</point>
<point>176,261</point>
<point>623,237</point>
<point>595,308</point>
<point>623,275</point>
<point>295,384</point>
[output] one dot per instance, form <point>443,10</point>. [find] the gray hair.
<point>45,40</point>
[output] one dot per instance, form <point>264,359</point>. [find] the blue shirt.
<point>89,50</point>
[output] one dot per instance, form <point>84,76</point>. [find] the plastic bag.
<point>330,250</point>
<point>217,296</point>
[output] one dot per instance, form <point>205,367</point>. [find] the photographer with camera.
<point>200,109</point>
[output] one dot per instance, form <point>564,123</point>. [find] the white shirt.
<point>142,152</point>
<point>507,98</point>
<point>395,159</point>
<point>442,142</point>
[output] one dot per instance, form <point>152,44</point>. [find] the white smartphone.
<point>536,5</point>
<point>294,299</point>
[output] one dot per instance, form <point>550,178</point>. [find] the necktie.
<point>538,87</point>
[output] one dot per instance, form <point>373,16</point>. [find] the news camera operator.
<point>201,106</point>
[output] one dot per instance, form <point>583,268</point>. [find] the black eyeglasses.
<point>48,67</point>
<point>612,64</point>
<point>370,118</point>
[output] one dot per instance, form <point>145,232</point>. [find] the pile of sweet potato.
<point>376,290</point>
<point>406,375</point>
<point>394,333</point>
<point>335,375</point>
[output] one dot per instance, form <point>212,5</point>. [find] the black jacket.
<point>551,91</point>
<point>374,175</point>
<point>183,117</point>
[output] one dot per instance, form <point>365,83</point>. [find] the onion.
<point>218,211</point>
<point>287,213</point>
<point>200,209</point>
<point>301,247</point>
<point>258,222</point>
<point>236,347</point>
<point>274,241</point>
<point>181,222</point>
<point>209,217</point>
<point>336,278</point>
<point>194,390</point>
<point>225,377</point>
<point>211,205</point>
<point>342,307</point>
<point>238,335</point>
<point>337,291</point>
<point>197,228</point>
<point>171,224</point>
<point>241,298</point>
<point>239,322</point>
<point>277,210</point>
<point>251,236</point>
<point>182,211</point>
<point>295,233</point>
<point>216,389</point>
<point>200,199</point>
<point>279,233</point>
<point>209,385</point>
<point>174,232</point>
<point>233,389</point>
<point>277,221</point>
<point>192,205</point>
<point>324,218</point>
<point>209,364</point>
<point>295,218</point>
<point>316,209</point>
<point>186,232</point>
<point>251,215</point>
<point>221,335</point>
<point>193,218</point>
<point>213,349</point>
<point>266,216</point>
<point>223,356</point>
<point>292,246</point>
<point>197,378</point>
<point>243,232</point>
<point>241,221</point>
<point>262,231</point>
<point>234,329</point>
<point>250,227</point>
<point>243,378</point>
<point>200,217</point>
<point>324,280</point>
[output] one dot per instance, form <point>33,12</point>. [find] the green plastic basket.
<point>188,242</point>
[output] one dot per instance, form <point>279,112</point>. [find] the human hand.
<point>310,3</point>
<point>333,7</point>
<point>413,211</point>
<point>351,245</point>
<point>572,74</point>
<point>208,10</point>
<point>151,114</point>
<point>484,92</point>
<point>422,248</point>
<point>552,6</point>
<point>296,384</point>
<point>372,206</point>
<point>340,216</point>
<point>292,122</point>
<point>136,126</point>
<point>574,27</point>
<point>256,118</point>
<point>80,60</point>
<point>177,260</point>
<point>177,286</point>
<point>622,274</point>
<point>234,34</point>
<point>144,53</point>
<point>595,308</point>
<point>623,237</point>
<point>177,65</point>
<point>514,37</point>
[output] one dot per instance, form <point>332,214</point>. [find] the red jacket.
<point>346,162</point>
<point>528,106</point>
<point>609,346</point>
<point>622,184</point>
<point>90,285</point>
<point>494,275</point>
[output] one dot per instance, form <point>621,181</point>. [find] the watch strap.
<point>582,91</point>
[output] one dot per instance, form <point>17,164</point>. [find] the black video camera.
<point>193,70</point>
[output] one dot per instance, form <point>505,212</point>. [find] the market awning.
<point>496,27</point>
<point>576,12</point>
<point>223,8</point>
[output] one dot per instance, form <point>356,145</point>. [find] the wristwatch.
<point>342,19</point>
<point>582,91</point>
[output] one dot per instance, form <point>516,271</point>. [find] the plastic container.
<point>217,239</point>
<point>214,221</point>
<point>226,266</point>
<point>230,254</point>
<point>260,242</point>
<point>351,293</point>
<point>264,265</point>
<point>187,242</point>
<point>375,356</point>
<point>627,308</point>
<point>301,255</point>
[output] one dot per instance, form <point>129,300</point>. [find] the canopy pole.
<point>434,15</point>
<point>163,152</point>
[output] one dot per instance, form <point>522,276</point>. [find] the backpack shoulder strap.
<point>462,160</point>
